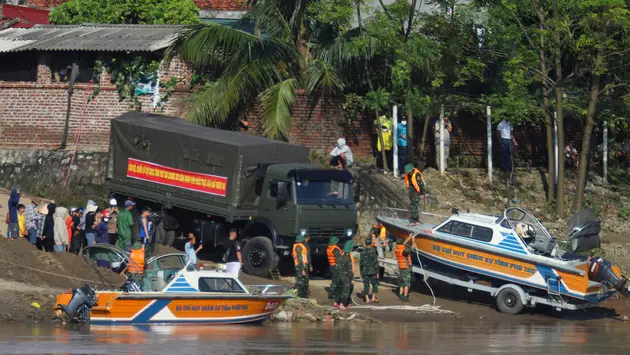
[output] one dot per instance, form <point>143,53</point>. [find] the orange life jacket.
<point>330,251</point>
<point>414,179</point>
<point>304,254</point>
<point>403,261</point>
<point>136,262</point>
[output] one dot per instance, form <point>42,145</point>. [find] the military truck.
<point>212,180</point>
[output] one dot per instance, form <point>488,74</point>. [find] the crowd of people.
<point>53,228</point>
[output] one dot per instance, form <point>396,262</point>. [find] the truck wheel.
<point>259,256</point>
<point>509,301</point>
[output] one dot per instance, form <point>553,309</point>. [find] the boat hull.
<point>488,263</point>
<point>158,308</point>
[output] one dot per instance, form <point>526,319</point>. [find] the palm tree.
<point>266,67</point>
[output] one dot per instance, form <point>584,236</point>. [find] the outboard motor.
<point>601,270</point>
<point>82,301</point>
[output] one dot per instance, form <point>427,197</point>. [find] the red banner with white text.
<point>159,174</point>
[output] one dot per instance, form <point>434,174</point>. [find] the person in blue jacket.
<point>402,141</point>
<point>13,228</point>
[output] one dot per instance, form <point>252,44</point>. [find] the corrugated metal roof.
<point>89,37</point>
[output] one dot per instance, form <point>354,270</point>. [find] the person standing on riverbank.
<point>333,252</point>
<point>22,221</point>
<point>345,276</point>
<point>102,229</point>
<point>112,226</point>
<point>61,230</point>
<point>76,240</point>
<point>125,223</point>
<point>300,259</point>
<point>190,250</point>
<point>403,257</point>
<point>145,226</point>
<point>233,258</point>
<point>415,184</point>
<point>31,220</point>
<point>507,145</point>
<point>369,271</point>
<point>90,224</point>
<point>48,235</point>
<point>13,230</point>
<point>42,212</point>
<point>401,141</point>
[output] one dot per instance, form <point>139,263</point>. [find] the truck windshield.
<point>324,192</point>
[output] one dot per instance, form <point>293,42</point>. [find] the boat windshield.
<point>516,215</point>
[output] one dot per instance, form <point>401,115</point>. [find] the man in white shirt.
<point>571,155</point>
<point>342,155</point>
<point>507,144</point>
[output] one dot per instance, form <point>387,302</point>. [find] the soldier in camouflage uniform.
<point>369,271</point>
<point>333,252</point>
<point>301,261</point>
<point>344,276</point>
<point>403,258</point>
<point>415,184</point>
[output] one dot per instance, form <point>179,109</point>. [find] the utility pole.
<point>605,153</point>
<point>489,133</point>
<point>441,162</point>
<point>395,138</point>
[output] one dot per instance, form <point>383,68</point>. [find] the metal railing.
<point>268,290</point>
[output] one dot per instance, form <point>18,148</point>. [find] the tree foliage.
<point>74,12</point>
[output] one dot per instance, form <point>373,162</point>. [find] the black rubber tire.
<point>259,257</point>
<point>509,301</point>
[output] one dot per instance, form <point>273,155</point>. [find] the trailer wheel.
<point>509,301</point>
<point>259,256</point>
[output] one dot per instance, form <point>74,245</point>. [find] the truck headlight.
<point>349,232</point>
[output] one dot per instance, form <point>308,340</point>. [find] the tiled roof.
<point>225,5</point>
<point>89,37</point>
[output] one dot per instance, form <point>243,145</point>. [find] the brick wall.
<point>32,114</point>
<point>318,123</point>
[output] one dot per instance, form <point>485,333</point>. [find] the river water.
<point>454,337</point>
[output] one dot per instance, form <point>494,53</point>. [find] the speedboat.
<point>187,295</point>
<point>513,257</point>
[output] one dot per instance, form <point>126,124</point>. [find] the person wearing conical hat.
<point>333,252</point>
<point>300,259</point>
<point>345,275</point>
<point>369,271</point>
<point>416,186</point>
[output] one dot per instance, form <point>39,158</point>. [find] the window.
<point>467,230</point>
<point>166,263</point>
<point>61,66</point>
<point>481,233</point>
<point>212,284</point>
<point>505,224</point>
<point>324,192</point>
<point>21,66</point>
<point>273,189</point>
<point>458,228</point>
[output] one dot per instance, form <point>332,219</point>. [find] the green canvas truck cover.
<point>209,165</point>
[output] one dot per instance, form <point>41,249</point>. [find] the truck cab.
<point>296,197</point>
